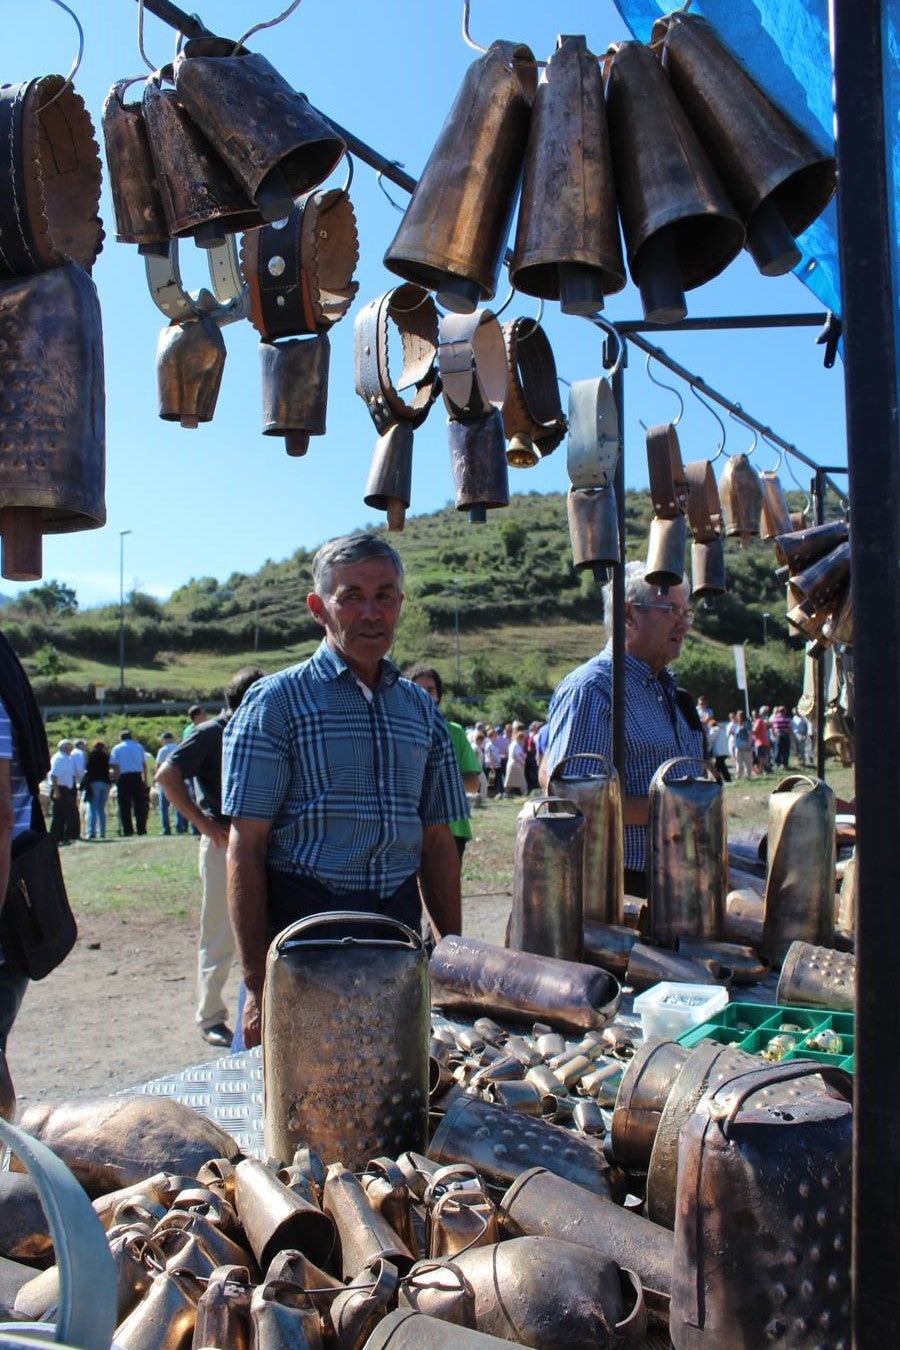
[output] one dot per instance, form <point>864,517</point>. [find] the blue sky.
<point>225,498</point>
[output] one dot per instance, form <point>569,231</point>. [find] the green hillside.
<point>524,617</point>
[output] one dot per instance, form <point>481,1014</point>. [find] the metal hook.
<point>506,303</point>
<point>778,450</point>
<point>465,28</point>
<point>75,64</point>
<point>267,23</point>
<point>612,331</point>
<point>345,188</point>
<point>379,179</point>
<point>670,387</point>
<point>712,412</point>
<point>535,322</point>
<point>753,444</point>
<point>140,37</point>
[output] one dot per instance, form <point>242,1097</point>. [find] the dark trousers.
<point>132,801</point>
<point>64,820</point>
<point>12,991</point>
<point>722,767</point>
<point>292,897</point>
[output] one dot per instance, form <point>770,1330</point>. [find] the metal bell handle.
<point>633,1327</point>
<point>586,754</point>
<point>335,916</point>
<point>660,776</point>
<point>86,1316</point>
<point>779,1073</point>
<point>553,804</point>
<point>793,779</point>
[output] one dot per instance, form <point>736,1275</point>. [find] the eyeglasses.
<point>673,611</point>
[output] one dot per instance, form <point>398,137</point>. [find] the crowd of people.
<point>758,744</point>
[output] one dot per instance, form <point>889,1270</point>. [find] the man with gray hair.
<point>661,721</point>
<point>339,776</point>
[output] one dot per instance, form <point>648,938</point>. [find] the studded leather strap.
<point>412,310</point>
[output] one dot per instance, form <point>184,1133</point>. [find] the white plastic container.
<point>668,1009</point>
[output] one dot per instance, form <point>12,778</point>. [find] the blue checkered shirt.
<point>580,721</point>
<point>347,783</point>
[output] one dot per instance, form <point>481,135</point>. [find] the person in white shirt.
<point>64,823</point>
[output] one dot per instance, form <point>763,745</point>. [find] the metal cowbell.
<point>680,228</point>
<point>817,977</point>
<point>687,863</point>
<point>741,494</point>
<point>478,465</point>
<point>707,569</point>
<point>800,548</point>
<point>775,174</point>
<point>647,966</point>
<point>666,544</point>
<point>453,232</point>
<point>223,1311</point>
<point>533,419</point>
<point>775,518</point>
<point>275,1217</point>
<point>190,359</point>
<point>201,198</point>
<point>567,242</point>
<point>364,1234</point>
<point>824,579</point>
<point>593,529</point>
<point>547,904</point>
<point>669,491</point>
<point>595,789</point>
<point>800,875</point>
<point>295,389</point>
<point>389,485</point>
<point>52,418</point>
<point>137,205</point>
<point>276,144</point>
<point>49,180</point>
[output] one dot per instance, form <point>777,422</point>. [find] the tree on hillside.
<point>53,597</point>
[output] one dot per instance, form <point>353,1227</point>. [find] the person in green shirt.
<point>428,679</point>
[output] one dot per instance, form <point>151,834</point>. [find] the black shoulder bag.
<point>37,926</point>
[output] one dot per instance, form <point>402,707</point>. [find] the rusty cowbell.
<point>741,494</point>
<point>454,229</point>
<point>389,485</point>
<point>273,141</point>
<point>680,227</point>
<point>686,852</point>
<point>548,904</point>
<point>295,389</point>
<point>190,359</point>
<point>478,465</point>
<point>567,242</point>
<point>137,205</point>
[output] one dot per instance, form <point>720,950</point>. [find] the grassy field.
<point>158,873</point>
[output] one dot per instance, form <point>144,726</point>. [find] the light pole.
<point>122,534</point>
<point>765,618</point>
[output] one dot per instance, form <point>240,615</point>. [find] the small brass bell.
<point>201,198</point>
<point>593,529</point>
<point>138,208</point>
<point>295,390</point>
<point>680,227</point>
<point>778,179</point>
<point>190,359</point>
<point>775,518</point>
<point>741,494</point>
<point>567,241</point>
<point>389,485</point>
<point>452,235</point>
<point>478,465</point>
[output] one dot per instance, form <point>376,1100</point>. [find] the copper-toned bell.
<point>140,218</point>
<point>666,544</point>
<point>707,569</point>
<point>703,506</point>
<point>52,416</point>
<point>687,862</point>
<point>567,240</point>
<point>295,390</point>
<point>49,178</point>
<point>680,227</point>
<point>190,358</point>
<point>741,495</point>
<point>800,876</point>
<point>593,529</point>
<point>533,418</point>
<point>775,518</point>
<point>823,579</point>
<point>299,270</point>
<point>803,547</point>
<point>478,465</point>
<point>274,143</point>
<point>452,235</point>
<point>778,179</point>
<point>548,906</point>
<point>201,198</point>
<point>389,485</point>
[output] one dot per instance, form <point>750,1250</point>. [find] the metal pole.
<point>817,492</point>
<point>618,587</point>
<point>122,534</point>
<point>869,284</point>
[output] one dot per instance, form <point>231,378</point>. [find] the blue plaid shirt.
<point>580,721</point>
<point>347,783</point>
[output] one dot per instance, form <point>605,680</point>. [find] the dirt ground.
<point>119,1011</point>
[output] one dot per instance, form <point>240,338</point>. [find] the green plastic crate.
<point>750,1027</point>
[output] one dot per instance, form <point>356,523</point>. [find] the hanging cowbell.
<point>680,227</point>
<point>800,548</point>
<point>201,197</point>
<point>478,465</point>
<point>52,434</point>
<point>778,179</point>
<point>299,271</point>
<point>741,494</point>
<point>276,145</point>
<point>669,494</point>
<point>295,390</point>
<point>138,208</point>
<point>49,179</point>
<point>775,518</point>
<point>190,359</point>
<point>567,241</point>
<point>593,529</point>
<point>821,581</point>
<point>705,520</point>
<point>389,485</point>
<point>533,420</point>
<point>452,235</point>
<point>707,569</point>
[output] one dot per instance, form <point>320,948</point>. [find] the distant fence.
<point>113,708</point>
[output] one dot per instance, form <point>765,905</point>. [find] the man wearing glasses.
<point>661,721</point>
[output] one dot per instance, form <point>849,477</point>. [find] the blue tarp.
<point>784,45</point>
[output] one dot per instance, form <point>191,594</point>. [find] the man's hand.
<point>251,1021</point>
<point>439,877</point>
